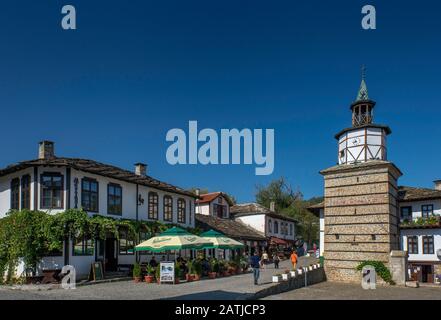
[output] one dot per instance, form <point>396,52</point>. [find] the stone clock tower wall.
<point>361,216</point>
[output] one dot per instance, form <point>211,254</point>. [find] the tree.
<point>290,202</point>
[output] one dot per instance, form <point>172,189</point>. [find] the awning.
<point>278,241</point>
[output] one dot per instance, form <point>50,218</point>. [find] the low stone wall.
<point>312,277</point>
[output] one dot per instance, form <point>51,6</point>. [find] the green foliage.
<point>380,269</point>
<point>433,220</point>
<point>178,273</point>
<point>196,267</point>
<point>158,271</point>
<point>150,270</point>
<point>290,203</point>
<point>222,265</point>
<point>28,236</point>
<point>136,270</point>
<point>214,265</point>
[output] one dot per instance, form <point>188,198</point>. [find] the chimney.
<point>46,150</point>
<point>437,184</point>
<point>140,169</point>
<point>273,206</point>
<point>197,192</point>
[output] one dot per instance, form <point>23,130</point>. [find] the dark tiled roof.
<point>97,168</point>
<point>315,208</point>
<point>414,194</point>
<point>229,227</point>
<point>404,194</point>
<point>370,125</point>
<point>247,209</point>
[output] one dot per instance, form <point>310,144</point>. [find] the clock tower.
<point>360,197</point>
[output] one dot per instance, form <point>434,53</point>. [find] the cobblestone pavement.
<point>234,287</point>
<point>338,291</point>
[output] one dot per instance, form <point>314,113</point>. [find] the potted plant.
<point>149,278</point>
<point>189,274</point>
<point>214,269</point>
<point>223,272</point>
<point>197,270</point>
<point>277,278</point>
<point>137,276</point>
<point>232,267</point>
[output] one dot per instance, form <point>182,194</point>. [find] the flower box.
<point>277,278</point>
<point>285,276</point>
<point>293,274</point>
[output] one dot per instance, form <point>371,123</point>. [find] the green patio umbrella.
<point>174,239</point>
<point>220,241</point>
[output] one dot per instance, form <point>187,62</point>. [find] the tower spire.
<point>362,94</point>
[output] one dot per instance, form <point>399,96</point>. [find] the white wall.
<point>279,234</point>
<point>374,138</point>
<point>5,192</point>
<point>420,233</point>
<point>322,232</point>
<point>203,208</point>
<point>129,199</point>
<point>256,221</point>
<point>416,207</point>
<point>208,208</point>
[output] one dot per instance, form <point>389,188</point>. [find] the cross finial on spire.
<point>363,72</point>
<point>362,94</point>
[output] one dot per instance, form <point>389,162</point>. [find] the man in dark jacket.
<point>255,264</point>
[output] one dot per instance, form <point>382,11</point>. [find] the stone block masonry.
<point>361,217</point>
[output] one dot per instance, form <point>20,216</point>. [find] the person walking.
<point>265,259</point>
<point>294,259</point>
<point>255,264</point>
<point>276,260</point>
<point>305,248</point>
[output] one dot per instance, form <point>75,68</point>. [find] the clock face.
<point>355,141</point>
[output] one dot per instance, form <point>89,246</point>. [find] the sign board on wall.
<point>167,272</point>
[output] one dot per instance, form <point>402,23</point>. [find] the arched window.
<point>181,210</point>
<point>168,208</point>
<point>276,227</point>
<point>153,206</point>
<point>270,225</point>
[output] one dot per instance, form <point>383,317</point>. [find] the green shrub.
<point>380,269</point>
<point>158,272</point>
<point>214,264</point>
<point>136,270</point>
<point>197,267</point>
<point>150,270</point>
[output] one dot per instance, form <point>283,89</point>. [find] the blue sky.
<point>111,89</point>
